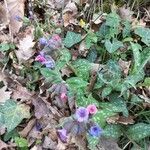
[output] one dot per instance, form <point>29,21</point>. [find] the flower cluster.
<point>45,60</point>
<point>81,123</point>
<point>52,44</point>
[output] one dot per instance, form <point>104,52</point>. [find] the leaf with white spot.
<point>71,39</point>
<point>111,47</point>
<point>112,131</point>
<point>82,68</point>
<point>25,45</point>
<point>139,131</point>
<point>101,116</point>
<point>144,33</point>
<point>13,113</point>
<point>76,82</point>
<point>137,57</point>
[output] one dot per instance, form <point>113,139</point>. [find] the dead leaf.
<point>97,18</point>
<point>16,14</point>
<point>125,120</point>
<point>69,14</point>
<point>80,142</point>
<point>3,17</point>
<point>61,145</point>
<point>40,108</point>
<point>107,144</point>
<point>49,143</point>
<point>3,145</point>
<point>28,128</point>
<point>4,94</point>
<point>66,71</point>
<point>138,23</point>
<point>125,65</point>
<point>120,119</point>
<point>25,45</point>
<point>21,93</point>
<point>125,13</point>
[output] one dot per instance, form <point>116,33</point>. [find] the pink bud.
<point>40,58</point>
<point>92,109</point>
<point>56,37</point>
<point>63,97</point>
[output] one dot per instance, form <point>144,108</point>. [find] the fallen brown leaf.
<point>28,128</point>
<point>21,93</point>
<point>125,65</point>
<point>69,14</point>
<point>125,13</point>
<point>40,108</point>
<point>3,145</point>
<point>16,11</point>
<point>3,17</point>
<point>25,45</point>
<point>66,71</point>
<point>4,94</point>
<point>49,143</point>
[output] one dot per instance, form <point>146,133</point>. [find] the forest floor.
<point>75,75</point>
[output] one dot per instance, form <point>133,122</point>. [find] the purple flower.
<point>18,18</point>
<point>82,114</point>
<point>95,131</point>
<point>62,133</point>
<point>43,41</point>
<point>45,60</point>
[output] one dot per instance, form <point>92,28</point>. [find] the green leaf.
<point>51,75</point>
<point>106,91</point>
<point>137,57</point>
<point>113,20</point>
<point>84,101</point>
<point>13,113</point>
<point>146,82</point>
<point>117,104</point>
<point>71,39</point>
<point>138,131</point>
<point>21,142</point>
<point>64,58</point>
<point>90,39</point>
<point>144,34</point>
<point>131,81</point>
<point>101,116</point>
<point>4,47</point>
<point>111,73</point>
<point>112,131</point>
<point>126,29</point>
<point>104,31</point>
<point>10,135</point>
<point>92,141</point>
<point>82,68</point>
<point>112,47</point>
<point>145,57</point>
<point>76,82</point>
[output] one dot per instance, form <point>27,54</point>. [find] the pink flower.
<point>40,58</point>
<point>92,109</point>
<point>63,97</point>
<point>56,38</point>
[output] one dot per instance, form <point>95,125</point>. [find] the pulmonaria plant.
<point>45,60</point>
<point>80,123</point>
